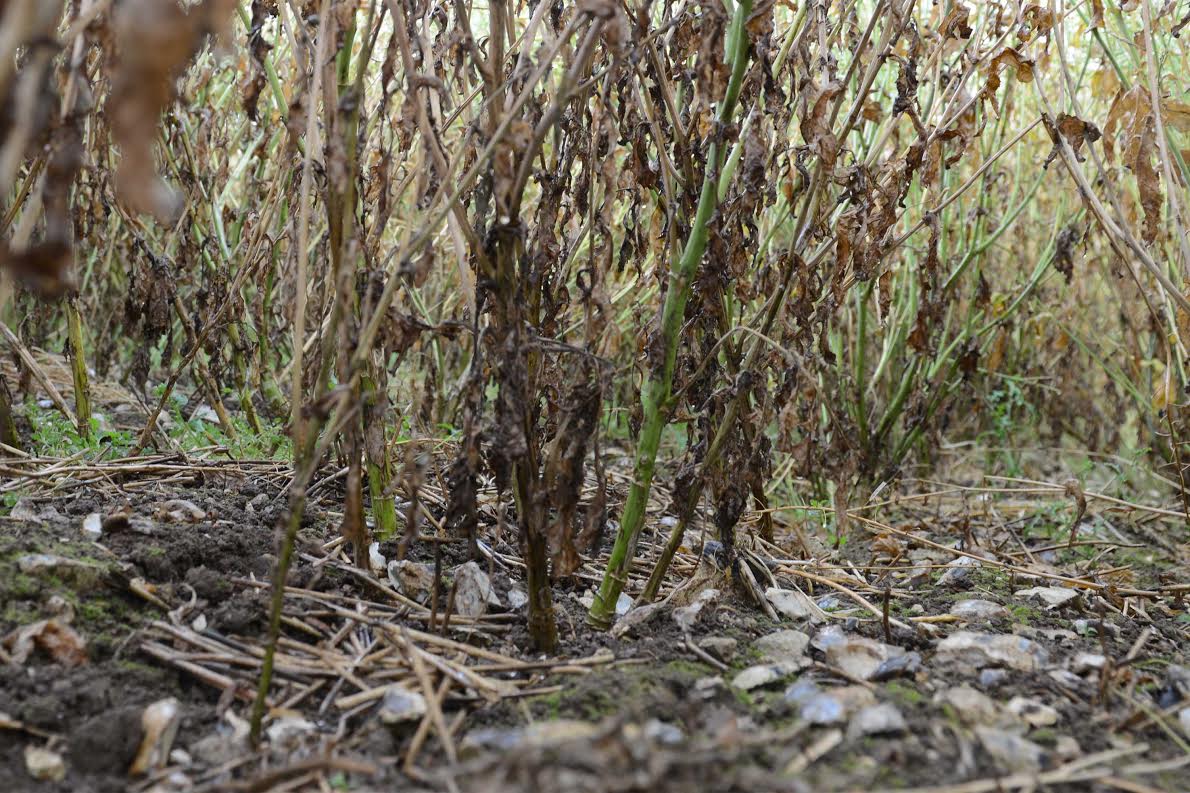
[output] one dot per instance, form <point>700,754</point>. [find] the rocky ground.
<point>940,648</point>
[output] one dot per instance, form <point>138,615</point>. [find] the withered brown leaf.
<point>156,40</point>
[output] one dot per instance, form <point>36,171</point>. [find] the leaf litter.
<point>1019,685</point>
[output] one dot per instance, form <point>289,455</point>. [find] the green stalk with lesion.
<point>656,391</point>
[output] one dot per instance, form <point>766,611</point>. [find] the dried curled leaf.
<point>53,637</point>
<point>27,97</point>
<point>887,547</point>
<point>1064,250</point>
<point>1007,57</point>
<point>563,469</point>
<point>906,86</point>
<point>1179,25</point>
<point>1126,120</point>
<point>957,24</point>
<point>1036,20</point>
<point>1176,115</point>
<point>1148,184</point>
<point>255,78</point>
<point>1073,130</point>
<point>815,119</point>
<point>1096,14</point>
<point>46,268</point>
<point>1164,391</point>
<point>507,160</point>
<point>156,41</point>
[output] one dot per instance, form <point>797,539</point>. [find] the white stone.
<point>975,610</point>
<point>958,570</point>
<point>516,599</point>
<point>788,645</point>
<point>827,637</point>
<point>44,765</point>
<point>970,705</point>
<point>860,657</point>
<point>794,604</point>
<point>376,559</point>
<point>829,706</point>
<point>1087,662</point>
<point>763,675</point>
<point>1011,752</point>
<point>1051,596</point>
<point>686,616</point>
<point>401,704</point>
<point>93,526</point>
<point>473,591</point>
<point>411,579</point>
<point>989,649</point>
<point>877,720</point>
<point>1032,712</point>
<point>635,618</point>
<point>538,735</point>
<point>288,732</point>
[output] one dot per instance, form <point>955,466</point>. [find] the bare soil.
<point>636,712</point>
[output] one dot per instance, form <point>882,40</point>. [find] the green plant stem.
<point>78,368</point>
<point>243,379</point>
<point>656,389</point>
<point>375,406</point>
<point>8,427</point>
<point>770,312</point>
<point>270,69</point>
<point>314,446</point>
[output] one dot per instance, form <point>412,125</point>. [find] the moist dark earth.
<point>669,705</point>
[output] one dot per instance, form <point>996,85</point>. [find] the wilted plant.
<point>788,248</point>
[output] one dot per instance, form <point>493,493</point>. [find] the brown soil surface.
<point>641,711</point>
